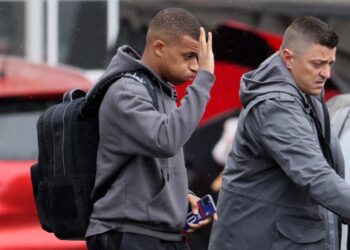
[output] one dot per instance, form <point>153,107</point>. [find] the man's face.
<point>311,69</point>
<point>180,60</point>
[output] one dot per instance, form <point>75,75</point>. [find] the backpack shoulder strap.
<point>143,78</point>
<point>96,93</point>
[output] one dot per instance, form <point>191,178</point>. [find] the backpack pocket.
<point>41,197</point>
<point>68,208</point>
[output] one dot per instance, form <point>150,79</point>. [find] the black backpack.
<point>64,176</point>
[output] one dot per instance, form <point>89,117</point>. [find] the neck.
<point>149,60</point>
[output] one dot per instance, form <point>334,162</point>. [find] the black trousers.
<point>112,240</point>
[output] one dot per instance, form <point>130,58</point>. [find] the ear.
<point>158,47</point>
<point>287,57</point>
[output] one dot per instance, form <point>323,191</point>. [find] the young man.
<point>282,185</point>
<point>141,146</point>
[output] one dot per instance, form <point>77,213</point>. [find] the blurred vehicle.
<point>339,111</point>
<point>26,89</point>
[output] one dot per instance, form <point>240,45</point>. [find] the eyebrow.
<point>190,53</point>
<point>322,61</point>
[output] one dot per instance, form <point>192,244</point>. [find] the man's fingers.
<point>205,222</point>
<point>195,227</point>
<point>202,42</point>
<point>202,38</point>
<point>205,53</point>
<point>210,42</point>
<point>193,203</point>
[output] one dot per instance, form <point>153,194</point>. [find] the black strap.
<point>95,95</point>
<point>151,91</point>
<point>326,121</point>
<point>143,78</point>
<point>324,140</point>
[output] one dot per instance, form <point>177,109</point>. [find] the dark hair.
<point>177,22</point>
<point>309,29</point>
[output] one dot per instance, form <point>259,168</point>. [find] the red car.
<point>26,90</point>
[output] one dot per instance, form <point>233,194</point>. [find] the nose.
<point>326,71</point>
<point>193,66</point>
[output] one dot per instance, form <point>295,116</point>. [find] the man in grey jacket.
<point>282,186</point>
<point>140,145</point>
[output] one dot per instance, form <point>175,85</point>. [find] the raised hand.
<point>205,54</point>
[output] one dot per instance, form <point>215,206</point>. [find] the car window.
<point>18,137</point>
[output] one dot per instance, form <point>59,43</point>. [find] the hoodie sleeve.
<point>143,130</point>
<point>288,135</point>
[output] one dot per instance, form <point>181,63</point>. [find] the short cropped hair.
<point>308,30</point>
<point>173,22</point>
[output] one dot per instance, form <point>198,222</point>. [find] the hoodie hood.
<point>127,60</point>
<point>271,76</point>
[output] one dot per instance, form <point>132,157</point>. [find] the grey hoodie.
<point>141,150</point>
<point>277,183</point>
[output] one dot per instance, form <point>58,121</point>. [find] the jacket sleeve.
<point>146,131</point>
<point>288,135</point>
